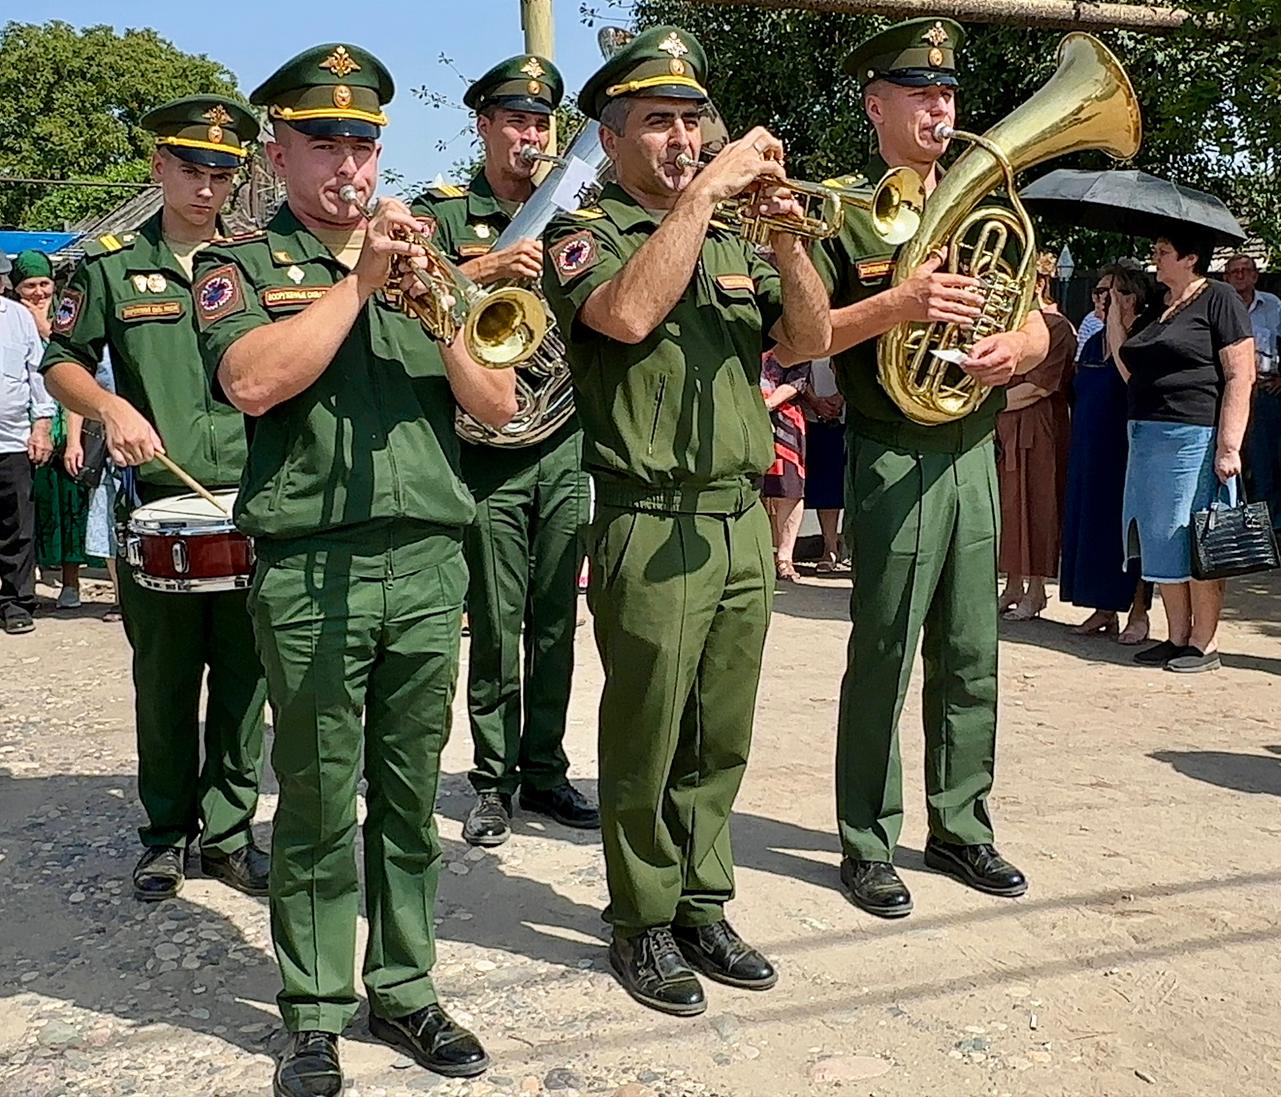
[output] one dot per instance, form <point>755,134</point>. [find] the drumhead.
<point>185,512</point>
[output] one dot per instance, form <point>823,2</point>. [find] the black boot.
<point>489,823</point>
<point>309,1067</point>
<point>159,873</point>
<point>564,803</point>
<point>433,1040</point>
<point>980,866</point>
<point>247,869</point>
<point>721,954</point>
<point>875,887</point>
<point>652,971</point>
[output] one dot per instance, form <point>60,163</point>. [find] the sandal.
<point>113,613</point>
<point>1098,621</point>
<point>1025,610</point>
<point>784,571</point>
<point>1132,635</point>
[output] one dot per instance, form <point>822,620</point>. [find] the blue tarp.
<point>13,242</point>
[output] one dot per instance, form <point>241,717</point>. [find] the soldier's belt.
<point>726,499</point>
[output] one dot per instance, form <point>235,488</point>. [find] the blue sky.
<point>252,37</point>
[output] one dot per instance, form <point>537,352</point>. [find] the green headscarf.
<point>30,264</point>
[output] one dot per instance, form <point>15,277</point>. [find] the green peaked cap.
<point>916,53</point>
<point>526,82</point>
<point>664,62</point>
<point>330,90</point>
<point>210,130</point>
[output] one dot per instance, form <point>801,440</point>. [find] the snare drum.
<point>183,544</point>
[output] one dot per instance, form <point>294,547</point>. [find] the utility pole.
<point>540,38</point>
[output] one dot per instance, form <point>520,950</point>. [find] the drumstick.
<point>202,492</point>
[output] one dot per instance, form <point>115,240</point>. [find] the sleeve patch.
<point>575,255</point>
<point>282,297</point>
<point>68,311</point>
<point>219,293</point>
<point>736,282</point>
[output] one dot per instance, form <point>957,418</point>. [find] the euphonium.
<point>1088,103</point>
<point>501,327</point>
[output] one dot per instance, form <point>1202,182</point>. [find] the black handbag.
<point>1232,540</point>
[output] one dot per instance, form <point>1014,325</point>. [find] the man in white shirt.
<point>26,420</point>
<point>1263,442</point>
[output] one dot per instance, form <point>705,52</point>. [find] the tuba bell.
<point>1088,103</point>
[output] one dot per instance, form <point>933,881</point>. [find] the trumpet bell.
<point>505,328</point>
<point>894,206</point>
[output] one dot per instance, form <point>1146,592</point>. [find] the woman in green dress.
<point>62,506</point>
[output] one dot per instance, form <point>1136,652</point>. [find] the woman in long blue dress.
<point>1094,573</point>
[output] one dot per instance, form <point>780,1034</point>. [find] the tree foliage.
<point>70,102</point>
<point>1209,94</point>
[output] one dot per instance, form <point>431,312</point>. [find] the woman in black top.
<point>1190,368</point>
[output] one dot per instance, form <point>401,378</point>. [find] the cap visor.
<point>336,127</point>
<point>205,158</point>
<point>526,103</point>
<point>921,78</point>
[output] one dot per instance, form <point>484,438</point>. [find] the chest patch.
<point>219,293</point>
<point>68,311</point>
<point>150,310</point>
<point>736,282</point>
<point>871,270</point>
<point>474,249</point>
<point>280,297</point>
<point>574,255</point>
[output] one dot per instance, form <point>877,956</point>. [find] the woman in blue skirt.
<point>1093,572</point>
<point>1190,365</point>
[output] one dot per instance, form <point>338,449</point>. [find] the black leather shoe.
<point>434,1040</point>
<point>159,873</point>
<point>979,866</point>
<point>489,823</point>
<point>309,1067</point>
<point>246,869</point>
<point>564,803</point>
<point>874,886</point>
<point>721,954</point>
<point>17,620</point>
<point>653,971</point>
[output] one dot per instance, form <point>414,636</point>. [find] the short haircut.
<point>1240,257</point>
<point>1127,278</point>
<point>615,113</point>
<point>1190,240</point>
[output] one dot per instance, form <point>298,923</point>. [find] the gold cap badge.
<point>215,135</point>
<point>936,36</point>
<point>533,68</point>
<point>340,63</point>
<point>673,45</point>
<point>342,96</point>
<point>936,57</point>
<point>534,87</point>
<point>217,115</point>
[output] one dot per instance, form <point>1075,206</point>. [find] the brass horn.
<point>1088,103</point>
<point>893,206</point>
<point>501,326</point>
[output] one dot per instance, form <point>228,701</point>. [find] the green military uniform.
<point>921,518</point>
<point>131,296</point>
<point>352,494</point>
<point>676,440</point>
<point>525,547</point>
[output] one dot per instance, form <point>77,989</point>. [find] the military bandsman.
<point>666,312</point>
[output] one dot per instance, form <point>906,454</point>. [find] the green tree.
<point>1209,94</point>
<point>71,104</point>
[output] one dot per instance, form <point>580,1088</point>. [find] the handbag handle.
<point>1219,502</point>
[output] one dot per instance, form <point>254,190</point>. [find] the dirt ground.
<point>1144,959</point>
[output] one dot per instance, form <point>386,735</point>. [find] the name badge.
<point>151,310</point>
<point>736,282</point>
<point>282,297</point>
<point>872,270</point>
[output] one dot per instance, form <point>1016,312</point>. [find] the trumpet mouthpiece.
<point>685,161</point>
<point>349,194</point>
<point>943,132</point>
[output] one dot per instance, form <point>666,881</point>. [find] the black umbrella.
<point>1130,202</point>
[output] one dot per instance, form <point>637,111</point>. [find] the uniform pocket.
<point>658,410</point>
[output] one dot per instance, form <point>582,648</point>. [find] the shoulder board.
<point>587,213</point>
<point>111,242</point>
<point>447,190</point>
<point>239,237</point>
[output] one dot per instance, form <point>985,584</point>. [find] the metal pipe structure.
<point>1053,14</point>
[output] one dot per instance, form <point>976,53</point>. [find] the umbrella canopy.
<point>1130,202</point>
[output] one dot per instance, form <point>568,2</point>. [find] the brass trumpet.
<point>501,327</point>
<point>894,205</point>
